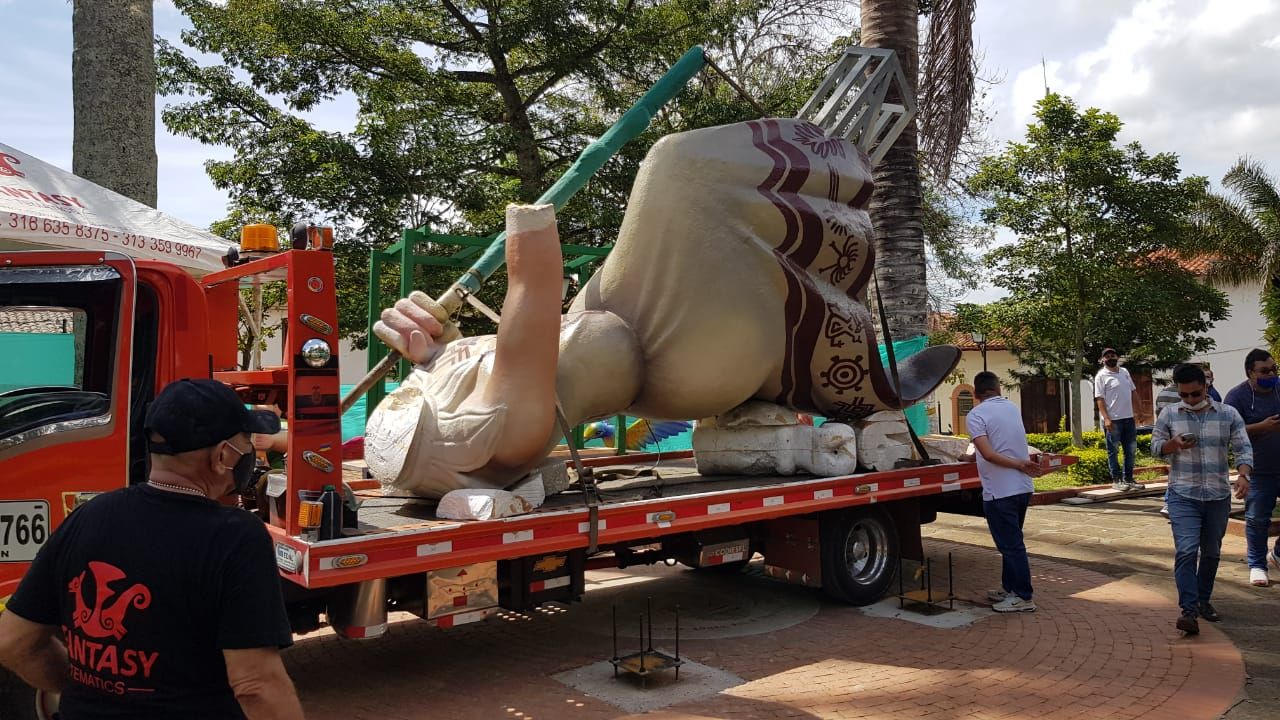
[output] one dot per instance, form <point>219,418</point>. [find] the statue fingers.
<point>426,322</point>
<point>391,338</point>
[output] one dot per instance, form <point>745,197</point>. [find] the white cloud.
<point>1194,77</point>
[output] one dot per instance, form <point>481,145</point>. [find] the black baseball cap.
<point>191,414</point>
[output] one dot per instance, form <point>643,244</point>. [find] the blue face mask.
<point>1267,382</point>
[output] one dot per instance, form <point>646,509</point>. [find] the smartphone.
<point>1187,437</point>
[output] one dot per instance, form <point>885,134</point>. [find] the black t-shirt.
<point>147,588</point>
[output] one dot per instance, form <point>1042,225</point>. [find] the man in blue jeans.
<point>1194,437</point>
<point>1117,398</point>
<point>1006,469</point>
<point>1258,403</point>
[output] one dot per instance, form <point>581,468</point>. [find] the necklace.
<point>176,488</point>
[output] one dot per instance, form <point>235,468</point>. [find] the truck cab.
<point>86,341</point>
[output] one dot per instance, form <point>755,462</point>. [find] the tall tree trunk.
<point>113,78</point>
<point>896,205</point>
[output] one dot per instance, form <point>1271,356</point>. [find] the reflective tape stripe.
<point>717,508</point>
<point>772,501</point>
<point>435,548</point>
<point>585,527</point>
<point>540,585</point>
<point>517,536</point>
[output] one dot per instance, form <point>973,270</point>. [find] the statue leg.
<point>524,365</point>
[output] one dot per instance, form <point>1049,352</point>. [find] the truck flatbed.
<point>402,536</point>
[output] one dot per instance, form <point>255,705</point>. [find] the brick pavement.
<point>1100,647</point>
<point>1129,539</point>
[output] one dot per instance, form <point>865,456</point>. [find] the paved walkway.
<point>1130,540</point>
<point>1102,645</point>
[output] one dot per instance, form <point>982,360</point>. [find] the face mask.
<point>1112,362</point>
<point>1204,403</point>
<point>242,472</point>
<point>1267,382</point>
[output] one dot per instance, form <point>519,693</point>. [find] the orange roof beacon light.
<point>259,239</point>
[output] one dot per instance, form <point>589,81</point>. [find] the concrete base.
<point>659,690</point>
<point>964,615</point>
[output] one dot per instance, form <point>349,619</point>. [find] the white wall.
<point>1235,336</point>
<point>1000,362</point>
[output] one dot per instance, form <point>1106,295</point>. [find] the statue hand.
<point>415,327</point>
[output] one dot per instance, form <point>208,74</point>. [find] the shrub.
<point>1144,445</point>
<point>1090,467</point>
<point>1049,442</point>
<point>1093,439</point>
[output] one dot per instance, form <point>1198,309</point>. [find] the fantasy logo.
<point>7,163</point>
<point>97,660</point>
<point>105,620</point>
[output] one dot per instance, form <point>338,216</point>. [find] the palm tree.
<point>1241,232</point>
<point>897,206</point>
<point>113,78</point>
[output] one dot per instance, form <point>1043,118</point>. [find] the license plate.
<point>24,528</point>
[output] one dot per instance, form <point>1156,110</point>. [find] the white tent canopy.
<point>42,207</point>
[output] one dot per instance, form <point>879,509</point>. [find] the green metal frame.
<point>579,262</point>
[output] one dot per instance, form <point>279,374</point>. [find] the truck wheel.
<point>20,701</point>
<point>859,555</point>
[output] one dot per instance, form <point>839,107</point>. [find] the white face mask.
<point>1204,403</point>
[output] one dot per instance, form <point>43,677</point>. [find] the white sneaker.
<point>996,596</point>
<point>1258,577</point>
<point>1164,509</point>
<point>1013,603</point>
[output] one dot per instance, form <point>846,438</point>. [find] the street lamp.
<point>980,339</point>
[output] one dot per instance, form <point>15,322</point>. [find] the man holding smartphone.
<point>1258,403</point>
<point>1194,437</point>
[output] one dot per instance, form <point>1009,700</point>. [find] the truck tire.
<point>20,701</point>
<point>860,554</point>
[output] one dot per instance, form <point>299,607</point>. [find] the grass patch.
<point>1060,480</point>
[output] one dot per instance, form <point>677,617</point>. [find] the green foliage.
<point>1093,439</point>
<point>1060,442</point>
<point>1090,467</point>
<point>461,107</point>
<point>1241,233</point>
<point>1091,267</point>
<point>1049,442</point>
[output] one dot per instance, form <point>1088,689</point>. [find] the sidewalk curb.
<point>1049,497</point>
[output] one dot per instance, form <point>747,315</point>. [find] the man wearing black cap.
<point>1117,398</point>
<point>157,600</point>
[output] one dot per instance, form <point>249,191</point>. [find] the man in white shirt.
<point>1006,468</point>
<point>1116,396</point>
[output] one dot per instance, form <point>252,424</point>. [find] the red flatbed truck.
<point>135,326</point>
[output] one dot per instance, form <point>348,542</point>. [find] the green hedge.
<point>1090,467</point>
<point>1049,442</point>
<point>1060,442</point>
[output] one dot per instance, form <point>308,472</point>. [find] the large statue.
<point>739,273</point>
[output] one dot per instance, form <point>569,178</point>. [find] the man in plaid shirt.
<point>1193,436</point>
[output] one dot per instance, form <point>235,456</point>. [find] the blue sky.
<point>1195,77</point>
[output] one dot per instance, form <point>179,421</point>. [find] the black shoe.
<point>1209,613</point>
<point>1188,625</point>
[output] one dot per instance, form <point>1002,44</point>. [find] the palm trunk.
<point>113,77</point>
<point>896,206</point>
